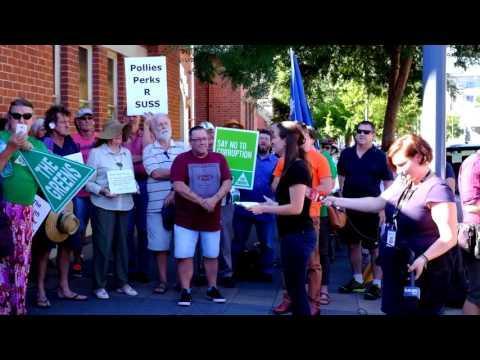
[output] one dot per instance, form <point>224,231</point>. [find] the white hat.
<point>83,112</point>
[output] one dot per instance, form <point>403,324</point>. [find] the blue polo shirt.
<point>363,175</point>
<point>261,185</point>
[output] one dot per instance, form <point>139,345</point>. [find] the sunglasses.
<point>18,116</point>
<point>366,132</point>
<point>86,118</point>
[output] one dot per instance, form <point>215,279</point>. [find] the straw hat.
<point>59,226</point>
<point>112,129</point>
<point>234,124</point>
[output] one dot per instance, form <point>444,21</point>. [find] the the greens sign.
<point>240,149</point>
<point>60,179</point>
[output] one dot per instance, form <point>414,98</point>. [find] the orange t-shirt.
<point>320,169</point>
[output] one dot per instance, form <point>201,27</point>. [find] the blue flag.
<point>299,110</point>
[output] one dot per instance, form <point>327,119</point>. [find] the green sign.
<point>240,149</point>
<point>60,179</point>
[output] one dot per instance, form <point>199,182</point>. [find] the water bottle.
<point>235,193</point>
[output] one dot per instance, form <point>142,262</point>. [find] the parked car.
<point>457,153</point>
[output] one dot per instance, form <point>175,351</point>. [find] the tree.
<point>394,68</point>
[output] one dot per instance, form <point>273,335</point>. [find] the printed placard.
<point>146,84</point>
<point>240,149</point>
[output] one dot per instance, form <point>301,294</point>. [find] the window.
<point>469,98</point>
<point>85,70</point>
<point>111,85</point>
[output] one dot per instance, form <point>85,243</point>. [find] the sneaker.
<point>77,270</point>
<point>214,295</point>
<point>228,282</point>
<point>127,290</point>
<point>101,294</point>
<point>185,298</point>
<point>352,286</point>
<point>372,292</point>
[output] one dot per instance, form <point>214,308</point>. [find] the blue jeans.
<point>83,210</point>
<point>296,249</point>
<point>138,254</point>
<point>242,226</point>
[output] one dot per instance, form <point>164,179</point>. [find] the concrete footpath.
<point>248,298</point>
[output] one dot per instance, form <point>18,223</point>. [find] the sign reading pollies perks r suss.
<point>146,83</point>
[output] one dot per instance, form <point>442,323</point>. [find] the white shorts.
<point>158,238</point>
<point>186,242</point>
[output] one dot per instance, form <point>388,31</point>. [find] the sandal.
<point>43,303</point>
<point>74,297</point>
<point>161,288</point>
<point>324,298</point>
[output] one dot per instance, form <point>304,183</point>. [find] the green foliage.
<point>453,127</point>
<point>340,80</point>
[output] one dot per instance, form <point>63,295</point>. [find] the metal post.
<point>432,127</point>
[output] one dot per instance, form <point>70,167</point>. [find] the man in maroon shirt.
<point>200,180</point>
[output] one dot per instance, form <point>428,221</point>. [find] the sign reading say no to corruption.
<point>240,150</point>
<point>146,83</point>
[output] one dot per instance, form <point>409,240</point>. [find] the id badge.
<point>391,236</point>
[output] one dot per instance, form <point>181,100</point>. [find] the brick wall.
<point>220,103</point>
<point>100,82</point>
<point>121,88</point>
<point>26,71</point>
<point>201,101</point>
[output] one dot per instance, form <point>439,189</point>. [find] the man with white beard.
<point>157,160</point>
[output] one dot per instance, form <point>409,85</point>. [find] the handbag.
<point>337,217</point>
<point>168,216</point>
<point>468,238</point>
<point>6,236</point>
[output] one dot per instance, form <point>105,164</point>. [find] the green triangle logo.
<point>242,181</point>
<point>60,179</point>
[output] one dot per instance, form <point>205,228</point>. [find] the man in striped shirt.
<point>157,160</point>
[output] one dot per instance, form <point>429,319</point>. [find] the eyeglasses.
<point>199,139</point>
<point>86,118</point>
<point>366,132</point>
<point>18,116</point>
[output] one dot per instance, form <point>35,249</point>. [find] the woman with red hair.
<point>421,228</point>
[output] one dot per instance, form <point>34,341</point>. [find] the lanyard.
<point>406,195</point>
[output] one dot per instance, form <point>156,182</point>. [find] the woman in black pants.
<point>295,228</point>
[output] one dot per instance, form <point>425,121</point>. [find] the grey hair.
<point>161,115</point>
<point>37,125</point>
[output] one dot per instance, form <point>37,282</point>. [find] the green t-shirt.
<point>19,186</point>
<point>333,171</point>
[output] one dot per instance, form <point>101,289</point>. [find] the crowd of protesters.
<point>396,207</point>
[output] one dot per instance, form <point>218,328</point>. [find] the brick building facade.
<point>90,75</point>
<point>220,103</point>
<point>93,75</point>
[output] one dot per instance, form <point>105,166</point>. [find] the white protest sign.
<point>121,181</point>
<point>75,157</point>
<point>41,208</point>
<point>146,83</point>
